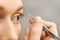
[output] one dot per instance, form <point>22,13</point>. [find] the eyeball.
<point>16,19</point>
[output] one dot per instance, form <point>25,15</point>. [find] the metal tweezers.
<point>47,30</point>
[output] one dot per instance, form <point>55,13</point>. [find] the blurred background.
<point>47,9</point>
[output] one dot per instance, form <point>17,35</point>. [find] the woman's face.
<point>10,12</point>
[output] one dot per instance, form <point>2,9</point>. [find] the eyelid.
<point>17,14</point>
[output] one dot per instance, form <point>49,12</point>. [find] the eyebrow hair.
<point>3,13</point>
<point>20,8</point>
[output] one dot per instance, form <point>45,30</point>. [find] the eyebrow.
<point>20,8</point>
<point>3,13</point>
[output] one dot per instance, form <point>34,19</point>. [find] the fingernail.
<point>37,19</point>
<point>31,21</point>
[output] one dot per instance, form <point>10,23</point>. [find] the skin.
<point>36,31</point>
<point>10,26</point>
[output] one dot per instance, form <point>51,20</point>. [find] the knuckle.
<point>37,17</point>
<point>35,31</point>
<point>50,24</point>
<point>53,23</point>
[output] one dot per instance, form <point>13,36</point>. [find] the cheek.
<point>1,28</point>
<point>17,28</point>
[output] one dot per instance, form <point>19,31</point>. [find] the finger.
<point>31,21</point>
<point>43,34</point>
<point>48,24</point>
<point>48,38</point>
<point>26,35</point>
<point>51,26</point>
<point>36,29</point>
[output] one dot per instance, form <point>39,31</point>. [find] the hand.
<point>36,31</point>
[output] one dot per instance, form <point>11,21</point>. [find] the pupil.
<point>17,17</point>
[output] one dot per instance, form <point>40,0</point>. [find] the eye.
<point>16,18</point>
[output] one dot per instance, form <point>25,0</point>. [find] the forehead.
<point>10,5</point>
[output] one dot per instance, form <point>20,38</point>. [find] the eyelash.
<point>16,19</point>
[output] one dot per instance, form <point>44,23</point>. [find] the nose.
<point>9,31</point>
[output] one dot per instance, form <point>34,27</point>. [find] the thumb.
<point>36,28</point>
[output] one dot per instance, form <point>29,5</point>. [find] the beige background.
<point>46,9</point>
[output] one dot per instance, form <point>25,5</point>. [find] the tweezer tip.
<point>30,15</point>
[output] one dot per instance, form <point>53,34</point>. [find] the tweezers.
<point>46,29</point>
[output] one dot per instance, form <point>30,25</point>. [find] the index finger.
<point>52,26</point>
